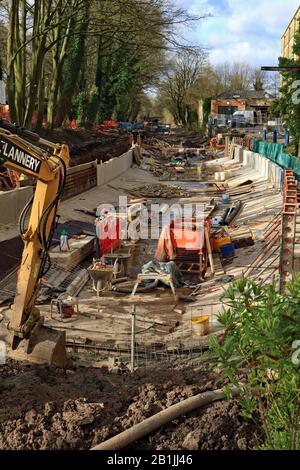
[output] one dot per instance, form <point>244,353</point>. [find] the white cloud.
<point>242,30</point>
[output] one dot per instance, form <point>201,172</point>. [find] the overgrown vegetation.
<point>287,106</point>
<point>93,59</point>
<point>258,353</point>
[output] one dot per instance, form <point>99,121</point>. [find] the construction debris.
<point>97,318</point>
<point>159,191</point>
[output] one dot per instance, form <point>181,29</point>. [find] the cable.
<point>41,230</point>
<point>46,241</point>
<point>22,218</point>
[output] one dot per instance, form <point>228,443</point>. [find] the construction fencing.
<point>137,348</point>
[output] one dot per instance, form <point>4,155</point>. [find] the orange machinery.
<point>188,243</point>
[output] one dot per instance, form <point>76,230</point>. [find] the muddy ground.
<point>44,408</point>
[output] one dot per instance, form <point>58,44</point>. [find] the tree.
<point>71,68</point>
<point>273,83</point>
<point>182,75</point>
<point>67,48</point>
<point>288,104</point>
<point>34,29</point>
<point>89,55</point>
<point>234,77</point>
<point>259,80</point>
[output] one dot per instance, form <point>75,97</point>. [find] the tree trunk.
<point>14,5</point>
<point>72,68</point>
<point>59,58</point>
<point>41,101</point>
<point>20,63</point>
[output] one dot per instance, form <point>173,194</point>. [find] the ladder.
<point>289,227</point>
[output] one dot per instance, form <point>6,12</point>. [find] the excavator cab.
<point>25,152</point>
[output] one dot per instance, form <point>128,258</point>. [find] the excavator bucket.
<point>45,346</point>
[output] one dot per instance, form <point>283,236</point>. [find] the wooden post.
<point>132,338</point>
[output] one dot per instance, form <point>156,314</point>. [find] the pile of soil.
<point>46,408</point>
<point>88,145</point>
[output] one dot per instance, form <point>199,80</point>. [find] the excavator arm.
<point>25,152</point>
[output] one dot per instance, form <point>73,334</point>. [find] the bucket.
<point>228,251</point>
<point>225,198</point>
<point>201,325</point>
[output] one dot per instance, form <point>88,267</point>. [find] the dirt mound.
<point>88,145</point>
<point>43,408</point>
<point>215,427</point>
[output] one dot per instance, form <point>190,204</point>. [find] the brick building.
<point>231,101</point>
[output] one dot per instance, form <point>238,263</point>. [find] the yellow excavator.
<point>25,152</point>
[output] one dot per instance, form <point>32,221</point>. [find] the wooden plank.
<point>79,250</point>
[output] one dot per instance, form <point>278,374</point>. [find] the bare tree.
<point>236,76</point>
<point>273,83</point>
<point>259,79</point>
<point>183,73</point>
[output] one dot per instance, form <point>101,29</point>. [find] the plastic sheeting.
<point>275,153</point>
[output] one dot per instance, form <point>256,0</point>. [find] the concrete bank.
<point>266,168</point>
<point>113,168</point>
<point>12,204</point>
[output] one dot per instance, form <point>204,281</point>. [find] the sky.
<point>241,30</point>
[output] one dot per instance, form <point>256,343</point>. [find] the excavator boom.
<point>25,152</point>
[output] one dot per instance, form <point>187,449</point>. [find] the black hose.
<point>20,131</point>
<point>128,290</point>
<point>22,218</point>
<point>46,243</point>
<point>52,205</point>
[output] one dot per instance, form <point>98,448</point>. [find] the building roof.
<point>245,95</point>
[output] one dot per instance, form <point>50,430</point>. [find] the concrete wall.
<point>267,169</point>
<point>12,204</point>
<point>115,167</point>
